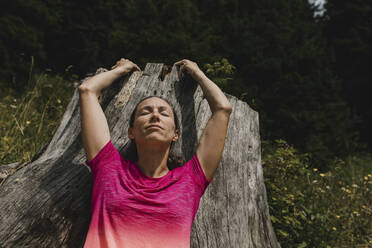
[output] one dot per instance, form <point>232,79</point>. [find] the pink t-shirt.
<point>132,210</point>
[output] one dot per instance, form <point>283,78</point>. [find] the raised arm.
<point>94,127</point>
<point>212,140</point>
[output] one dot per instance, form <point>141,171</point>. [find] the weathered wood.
<point>46,203</point>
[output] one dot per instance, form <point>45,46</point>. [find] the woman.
<point>142,203</point>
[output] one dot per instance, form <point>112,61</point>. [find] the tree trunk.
<point>46,203</point>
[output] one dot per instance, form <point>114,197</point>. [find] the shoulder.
<point>194,169</point>
<point>108,156</point>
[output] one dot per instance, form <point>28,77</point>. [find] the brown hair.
<point>173,160</point>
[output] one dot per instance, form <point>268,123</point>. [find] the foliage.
<point>29,121</point>
<point>286,67</point>
<point>314,208</point>
<point>221,72</point>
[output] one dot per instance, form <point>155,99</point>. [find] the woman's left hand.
<point>191,68</point>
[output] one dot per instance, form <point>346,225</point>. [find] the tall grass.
<point>29,120</point>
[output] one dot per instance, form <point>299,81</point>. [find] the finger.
<point>180,62</point>
<point>139,69</point>
<point>133,65</point>
<point>180,71</point>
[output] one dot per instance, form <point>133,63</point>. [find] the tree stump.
<point>46,203</point>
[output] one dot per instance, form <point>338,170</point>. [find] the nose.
<point>155,116</point>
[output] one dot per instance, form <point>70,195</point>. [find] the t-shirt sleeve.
<point>198,174</point>
<point>108,156</point>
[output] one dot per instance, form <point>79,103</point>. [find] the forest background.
<point>303,68</point>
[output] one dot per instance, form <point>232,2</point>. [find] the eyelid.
<point>144,111</point>
<point>165,111</point>
<point>160,110</point>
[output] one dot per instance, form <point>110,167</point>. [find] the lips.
<point>154,126</point>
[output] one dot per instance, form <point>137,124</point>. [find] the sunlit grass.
<point>28,122</point>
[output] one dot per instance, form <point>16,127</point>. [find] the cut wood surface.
<point>46,203</point>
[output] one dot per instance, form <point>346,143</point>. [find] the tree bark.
<point>46,203</point>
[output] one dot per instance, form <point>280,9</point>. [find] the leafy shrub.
<point>310,208</point>
<point>221,72</point>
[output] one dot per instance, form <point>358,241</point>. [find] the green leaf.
<point>274,219</point>
<point>283,233</point>
<point>302,245</point>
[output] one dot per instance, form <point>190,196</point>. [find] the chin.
<point>155,139</point>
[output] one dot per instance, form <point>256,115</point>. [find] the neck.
<point>152,160</point>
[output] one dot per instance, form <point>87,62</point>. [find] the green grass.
<point>29,120</point>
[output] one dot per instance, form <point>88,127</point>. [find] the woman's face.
<point>153,123</point>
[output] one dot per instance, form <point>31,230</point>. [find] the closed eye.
<point>144,112</point>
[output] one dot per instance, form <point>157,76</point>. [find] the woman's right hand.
<point>124,66</point>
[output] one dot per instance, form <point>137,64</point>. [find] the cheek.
<point>139,122</point>
<point>172,126</point>
<point>137,130</point>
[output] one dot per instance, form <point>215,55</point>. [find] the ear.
<point>176,135</point>
<point>130,133</point>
